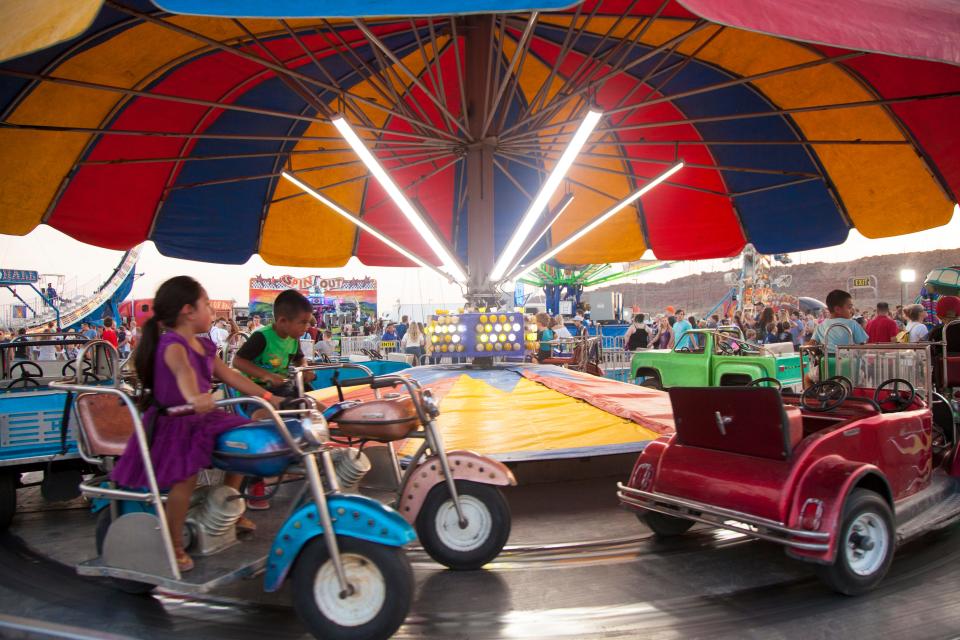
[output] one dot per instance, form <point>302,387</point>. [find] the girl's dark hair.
<point>170,298</point>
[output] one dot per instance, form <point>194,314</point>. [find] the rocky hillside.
<point>815,279</point>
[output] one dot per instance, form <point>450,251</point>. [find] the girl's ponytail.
<point>145,357</point>
<point>170,299</point>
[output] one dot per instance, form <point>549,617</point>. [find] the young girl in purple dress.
<point>175,367</point>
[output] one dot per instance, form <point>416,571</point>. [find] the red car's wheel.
<point>664,526</point>
<point>865,545</point>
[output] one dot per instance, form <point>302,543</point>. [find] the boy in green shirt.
<point>265,356</point>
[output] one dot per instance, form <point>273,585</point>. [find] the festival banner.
<point>326,294</point>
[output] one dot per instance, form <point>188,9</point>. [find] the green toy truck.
<point>715,357</point>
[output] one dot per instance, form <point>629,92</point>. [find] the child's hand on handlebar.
<point>276,380</point>
<point>309,376</point>
<point>202,403</point>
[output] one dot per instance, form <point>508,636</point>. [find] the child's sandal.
<point>246,525</point>
<point>184,562</point>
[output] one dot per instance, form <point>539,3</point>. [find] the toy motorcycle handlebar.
<point>374,382</point>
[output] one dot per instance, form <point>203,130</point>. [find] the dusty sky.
<point>49,251</point>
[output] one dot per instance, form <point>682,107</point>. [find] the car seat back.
<point>746,420</point>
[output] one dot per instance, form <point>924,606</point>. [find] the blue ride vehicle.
<point>37,432</point>
<point>342,553</point>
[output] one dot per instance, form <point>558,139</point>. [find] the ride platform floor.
<point>576,566</point>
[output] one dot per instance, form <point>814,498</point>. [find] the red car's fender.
<point>648,463</point>
<point>817,503</point>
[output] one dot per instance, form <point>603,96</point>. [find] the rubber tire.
<point>838,575</point>
<point>492,498</point>
<point>127,586</point>
<point>8,499</point>
<point>392,563</point>
<point>664,526</point>
<point>652,382</point>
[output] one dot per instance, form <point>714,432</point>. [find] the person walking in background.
<point>915,330</point>
<point>51,294</point>
<point>665,334</point>
<point>402,327</point>
<point>414,341</point>
<point>882,328</point>
<point>560,329</point>
<point>390,333</point>
<point>123,346</point>
<point>680,327</point>
<point>109,333</point>
<point>637,336</point>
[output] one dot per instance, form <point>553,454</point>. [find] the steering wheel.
<point>684,350</point>
<point>24,365</point>
<point>895,397</point>
<point>70,370</point>
<point>764,381</point>
<point>823,396</point>
<point>726,347</point>
<point>845,381</point>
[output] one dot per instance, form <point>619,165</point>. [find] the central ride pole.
<point>478,45</point>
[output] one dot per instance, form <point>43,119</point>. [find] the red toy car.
<point>839,475</point>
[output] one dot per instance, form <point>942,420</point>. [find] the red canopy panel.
<point>901,77</point>
<point>926,29</point>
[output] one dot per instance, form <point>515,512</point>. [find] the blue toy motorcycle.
<point>343,553</point>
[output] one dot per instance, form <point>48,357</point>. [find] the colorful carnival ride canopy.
<point>141,124</point>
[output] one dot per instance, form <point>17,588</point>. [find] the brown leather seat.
<point>383,420</point>
<point>106,423</point>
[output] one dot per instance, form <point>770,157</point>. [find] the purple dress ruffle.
<point>182,445</point>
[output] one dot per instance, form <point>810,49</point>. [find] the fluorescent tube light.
<point>363,225</point>
<point>546,192</point>
<point>436,244</point>
<point>561,207</point>
<point>617,208</point>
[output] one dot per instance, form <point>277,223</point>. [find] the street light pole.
<point>906,276</point>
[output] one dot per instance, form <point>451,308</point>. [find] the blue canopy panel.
<point>234,207</point>
<point>364,9</point>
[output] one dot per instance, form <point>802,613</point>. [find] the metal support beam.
<point>478,40</point>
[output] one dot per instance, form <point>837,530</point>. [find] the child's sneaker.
<point>257,503</point>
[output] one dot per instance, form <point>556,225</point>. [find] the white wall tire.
<point>470,547</point>
<point>381,579</point>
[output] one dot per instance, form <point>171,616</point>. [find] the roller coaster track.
<point>76,310</point>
